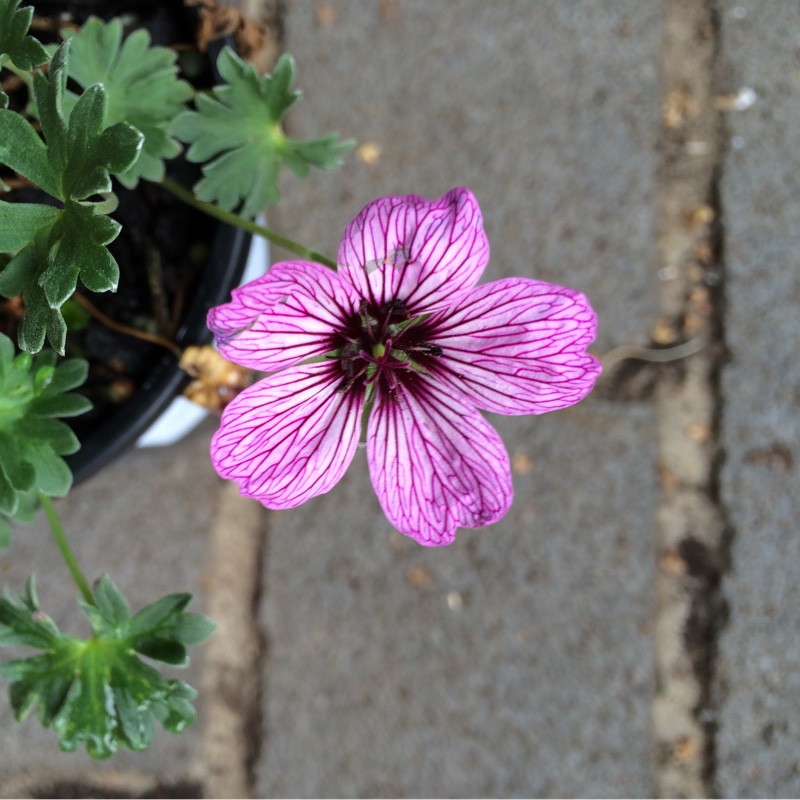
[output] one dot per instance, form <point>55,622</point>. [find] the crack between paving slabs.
<point>235,655</point>
<point>693,531</point>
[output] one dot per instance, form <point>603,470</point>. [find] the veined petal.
<point>435,463</point>
<point>290,436</point>
<point>518,346</point>
<point>426,253</point>
<point>283,317</point>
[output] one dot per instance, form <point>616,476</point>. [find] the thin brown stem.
<point>126,329</point>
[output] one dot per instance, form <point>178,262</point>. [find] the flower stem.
<point>66,550</point>
<point>245,224</point>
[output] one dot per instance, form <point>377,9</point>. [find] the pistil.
<point>379,344</point>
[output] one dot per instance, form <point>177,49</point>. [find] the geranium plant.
<point>394,342</point>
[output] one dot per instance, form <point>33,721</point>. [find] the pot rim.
<point>224,271</point>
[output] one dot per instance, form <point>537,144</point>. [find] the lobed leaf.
<point>21,277</point>
<point>22,149</point>
<point>97,692</point>
<point>24,50</point>
<point>142,88</point>
<point>33,391</point>
<point>16,45</point>
<point>21,222</point>
<point>94,150</point>
<point>111,602</point>
<point>59,246</point>
<point>79,250</point>
<point>238,126</point>
<point>23,623</point>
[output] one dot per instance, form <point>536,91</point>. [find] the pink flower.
<point>401,329</point>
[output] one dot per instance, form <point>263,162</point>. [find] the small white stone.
<point>668,273</point>
<point>697,147</point>
<point>455,602</point>
<point>745,98</point>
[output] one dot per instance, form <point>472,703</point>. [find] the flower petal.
<point>518,346</point>
<point>426,253</point>
<point>435,463</point>
<point>289,437</point>
<point>283,317</point>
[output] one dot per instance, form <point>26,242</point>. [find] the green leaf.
<point>46,271</point>
<point>96,692</point>
<point>27,506</point>
<point>23,623</point>
<point>96,151</point>
<point>69,374</point>
<point>58,435</point>
<point>21,276</point>
<point>239,127</point>
<point>142,85</point>
<point>170,652</point>
<point>53,476</point>
<point>162,630</point>
<point>33,390</point>
<point>21,222</point>
<point>81,149</point>
<point>79,250</point>
<point>48,90</point>
<point>15,277</point>
<point>15,44</point>
<point>21,474</point>
<point>151,618</point>
<point>9,497</point>
<point>70,405</point>
<point>58,247</point>
<point>25,51</point>
<point>22,149</point>
<point>190,628</point>
<point>111,602</point>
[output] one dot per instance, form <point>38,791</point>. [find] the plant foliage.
<point>74,163</point>
<point>33,393</point>
<point>142,86</point>
<point>238,126</point>
<point>16,46</point>
<point>99,691</point>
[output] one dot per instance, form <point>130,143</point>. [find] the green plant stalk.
<point>245,224</point>
<point>66,551</point>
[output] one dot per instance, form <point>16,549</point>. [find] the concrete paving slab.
<point>519,660</point>
<point>758,748</point>
<point>145,520</point>
<point>548,111</point>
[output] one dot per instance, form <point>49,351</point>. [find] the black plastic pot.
<point>228,254</point>
<point>223,272</point>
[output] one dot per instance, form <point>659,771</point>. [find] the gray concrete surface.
<point>515,663</point>
<point>520,660</point>
<point>759,681</point>
<point>541,684</point>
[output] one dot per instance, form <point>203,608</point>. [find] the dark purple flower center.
<point>384,344</point>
